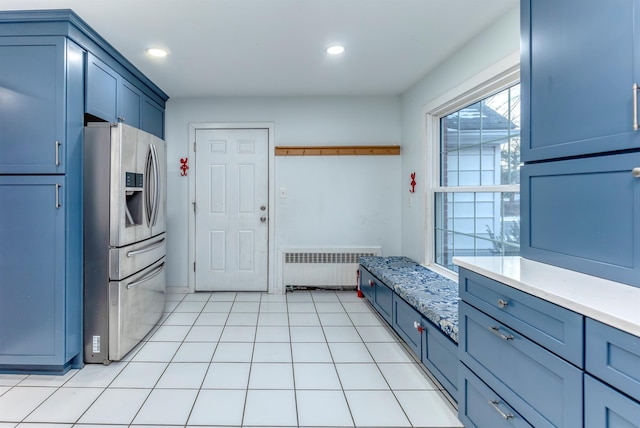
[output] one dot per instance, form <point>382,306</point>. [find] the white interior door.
<point>231,226</point>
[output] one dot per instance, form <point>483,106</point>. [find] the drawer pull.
<point>502,304</point>
<point>634,88</point>
<point>494,404</point>
<point>371,283</point>
<point>418,327</point>
<point>496,331</point>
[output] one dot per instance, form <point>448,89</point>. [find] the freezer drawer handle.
<point>146,249</point>
<point>146,278</point>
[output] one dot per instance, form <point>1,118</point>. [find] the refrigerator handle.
<point>147,277</point>
<point>156,187</point>
<point>148,203</point>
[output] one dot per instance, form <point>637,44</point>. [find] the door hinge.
<point>194,206</point>
<point>194,146</point>
<point>194,266</point>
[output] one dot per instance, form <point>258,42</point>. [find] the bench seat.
<point>430,293</point>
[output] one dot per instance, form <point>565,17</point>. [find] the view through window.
<point>478,198</point>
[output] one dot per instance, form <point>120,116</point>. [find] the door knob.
<point>263,219</point>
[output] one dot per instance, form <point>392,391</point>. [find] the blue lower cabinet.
<point>367,284</point>
<point>604,407</point>
<point>613,356</point>
<point>479,406</point>
<point>545,389</point>
<point>440,356</point>
<point>39,302</point>
<point>383,301</point>
<point>407,322</point>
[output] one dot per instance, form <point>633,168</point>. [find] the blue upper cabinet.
<point>579,63</point>
<point>32,105</point>
<point>113,98</point>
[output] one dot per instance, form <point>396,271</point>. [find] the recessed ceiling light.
<point>335,49</point>
<point>157,52</point>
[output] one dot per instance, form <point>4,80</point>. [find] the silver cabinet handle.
<point>146,249</point>
<point>635,106</point>
<point>58,144</point>
<point>502,303</point>
<point>494,404</point>
<point>58,203</point>
<point>496,331</point>
<point>146,278</point>
<point>636,172</point>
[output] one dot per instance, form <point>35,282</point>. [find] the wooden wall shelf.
<point>337,150</point>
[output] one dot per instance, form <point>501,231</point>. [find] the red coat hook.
<point>184,167</point>
<point>413,182</point>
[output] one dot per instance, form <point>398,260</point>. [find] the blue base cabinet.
<point>604,407</point>
<point>519,348</point>
<point>41,271</point>
<point>377,293</point>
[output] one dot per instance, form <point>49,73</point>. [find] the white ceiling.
<point>276,47</point>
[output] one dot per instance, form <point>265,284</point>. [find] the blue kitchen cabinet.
<point>604,407</point>
<point>377,293</point>
<point>41,270</point>
<point>152,117</point>
<point>33,80</point>
<point>582,214</point>
<point>46,58</point>
<point>578,66</point>
<point>112,98</point>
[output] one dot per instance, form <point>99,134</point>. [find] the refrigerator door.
<point>135,306</point>
<point>127,208</point>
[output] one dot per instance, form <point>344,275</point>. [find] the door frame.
<point>269,126</point>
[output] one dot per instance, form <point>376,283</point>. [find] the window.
<point>477,196</point>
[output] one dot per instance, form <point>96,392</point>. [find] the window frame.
<point>500,76</point>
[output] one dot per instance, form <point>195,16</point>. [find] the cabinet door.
<point>579,63</point>
<point>582,214</point>
<point>152,118</point>
<point>32,105</point>
<point>130,99</point>
<point>102,89</point>
<point>407,322</point>
<point>32,268</point>
<point>604,407</point>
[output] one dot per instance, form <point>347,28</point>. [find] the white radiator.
<point>322,267</point>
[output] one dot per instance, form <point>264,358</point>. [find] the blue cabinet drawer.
<point>440,355</point>
<point>549,325</point>
<point>407,323</point>
<point>604,407</point>
<point>544,389</point>
<point>613,356</point>
<point>479,406</point>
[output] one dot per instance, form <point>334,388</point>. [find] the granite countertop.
<point>433,295</point>
<point>610,302</point>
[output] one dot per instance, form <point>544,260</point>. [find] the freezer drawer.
<point>128,260</point>
<point>135,306</point>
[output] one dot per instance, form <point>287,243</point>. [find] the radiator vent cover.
<point>323,267</point>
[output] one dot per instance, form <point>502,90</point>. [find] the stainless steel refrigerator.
<point>124,238</point>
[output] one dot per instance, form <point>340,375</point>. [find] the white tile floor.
<point>307,359</point>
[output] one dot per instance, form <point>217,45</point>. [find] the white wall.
<point>492,45</point>
<point>331,200</point>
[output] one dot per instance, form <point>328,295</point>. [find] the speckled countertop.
<point>433,295</point>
